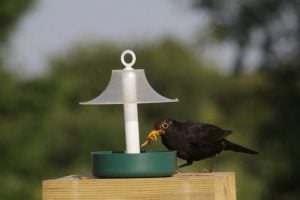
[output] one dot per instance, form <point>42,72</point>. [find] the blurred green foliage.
<point>15,185</point>
<point>269,26</point>
<point>10,12</point>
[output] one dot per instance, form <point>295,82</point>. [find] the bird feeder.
<point>130,88</point>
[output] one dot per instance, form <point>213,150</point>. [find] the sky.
<point>54,26</point>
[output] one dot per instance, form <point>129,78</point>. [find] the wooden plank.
<point>208,186</point>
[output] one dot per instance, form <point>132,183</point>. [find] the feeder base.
<point>208,186</point>
<point>108,164</point>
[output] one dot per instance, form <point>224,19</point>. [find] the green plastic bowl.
<point>109,164</point>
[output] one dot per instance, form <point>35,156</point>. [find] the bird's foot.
<point>206,170</point>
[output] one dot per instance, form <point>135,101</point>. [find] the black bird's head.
<point>161,127</point>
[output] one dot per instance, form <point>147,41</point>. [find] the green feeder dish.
<point>111,164</point>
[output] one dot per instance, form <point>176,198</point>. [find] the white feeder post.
<point>130,105</point>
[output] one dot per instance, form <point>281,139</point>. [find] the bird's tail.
<point>237,148</point>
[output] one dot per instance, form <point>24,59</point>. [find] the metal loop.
<point>128,66</point>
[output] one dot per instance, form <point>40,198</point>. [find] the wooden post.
<point>207,186</point>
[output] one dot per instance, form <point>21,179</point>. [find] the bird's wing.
<point>202,133</point>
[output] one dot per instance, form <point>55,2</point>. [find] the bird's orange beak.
<point>152,136</point>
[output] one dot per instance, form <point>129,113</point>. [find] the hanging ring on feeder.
<point>128,66</point>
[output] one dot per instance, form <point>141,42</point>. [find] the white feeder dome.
<point>129,87</point>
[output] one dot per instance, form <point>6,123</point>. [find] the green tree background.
<point>45,134</point>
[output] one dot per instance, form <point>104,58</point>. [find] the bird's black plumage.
<point>196,141</point>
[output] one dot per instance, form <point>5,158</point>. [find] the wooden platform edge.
<point>208,186</point>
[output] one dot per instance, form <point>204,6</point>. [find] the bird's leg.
<point>212,167</point>
<point>188,162</point>
<point>213,164</point>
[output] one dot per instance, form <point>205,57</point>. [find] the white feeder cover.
<point>128,86</point>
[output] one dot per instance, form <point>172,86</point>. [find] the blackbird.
<point>193,141</point>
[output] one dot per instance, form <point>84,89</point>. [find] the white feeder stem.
<point>131,128</point>
<point>130,105</point>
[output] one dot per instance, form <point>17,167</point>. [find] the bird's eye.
<point>165,125</point>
